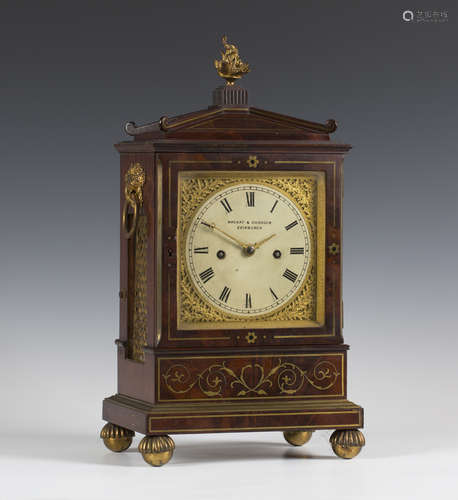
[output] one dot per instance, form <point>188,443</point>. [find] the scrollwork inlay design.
<point>285,378</point>
<point>194,191</point>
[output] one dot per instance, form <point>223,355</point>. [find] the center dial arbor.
<point>265,242</point>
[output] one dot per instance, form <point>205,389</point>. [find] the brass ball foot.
<point>298,438</point>
<point>116,438</point>
<point>347,443</point>
<point>156,450</point>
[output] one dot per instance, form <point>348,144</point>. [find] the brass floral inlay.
<point>285,378</point>
<point>251,337</point>
<point>334,248</point>
<point>194,190</point>
<point>252,161</point>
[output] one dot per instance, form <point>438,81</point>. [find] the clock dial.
<point>248,249</point>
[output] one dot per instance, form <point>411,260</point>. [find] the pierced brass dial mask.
<point>250,250</point>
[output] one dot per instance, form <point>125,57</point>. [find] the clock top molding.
<point>229,121</point>
<point>233,123</point>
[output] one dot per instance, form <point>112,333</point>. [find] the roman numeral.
<point>289,226</point>
<point>248,300</point>
<point>207,275</point>
<point>250,198</point>
<point>225,294</point>
<point>296,251</point>
<point>226,205</point>
<point>290,275</point>
<point>273,207</point>
<point>201,250</point>
<point>273,294</point>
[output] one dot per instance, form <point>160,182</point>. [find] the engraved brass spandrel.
<point>306,308</point>
<point>231,67</point>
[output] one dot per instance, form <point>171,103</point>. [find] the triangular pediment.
<point>229,122</point>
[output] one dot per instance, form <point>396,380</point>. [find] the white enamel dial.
<point>248,249</point>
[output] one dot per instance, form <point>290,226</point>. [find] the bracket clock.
<point>230,297</point>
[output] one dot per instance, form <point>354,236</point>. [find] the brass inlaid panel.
<point>137,338</point>
<point>250,377</point>
<point>307,191</point>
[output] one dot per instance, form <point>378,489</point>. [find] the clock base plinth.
<point>223,416</point>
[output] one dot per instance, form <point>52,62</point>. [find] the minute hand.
<point>259,243</point>
<point>210,224</point>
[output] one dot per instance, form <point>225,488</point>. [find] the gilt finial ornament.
<point>231,67</point>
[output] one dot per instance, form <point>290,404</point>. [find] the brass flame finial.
<point>231,67</point>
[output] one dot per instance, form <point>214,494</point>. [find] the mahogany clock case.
<point>150,399</point>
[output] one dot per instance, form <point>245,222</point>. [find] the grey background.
<point>74,72</point>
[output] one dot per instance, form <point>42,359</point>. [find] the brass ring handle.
<point>128,233</point>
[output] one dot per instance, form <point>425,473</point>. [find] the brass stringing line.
<point>194,431</point>
<point>235,399</point>
<point>159,218</point>
<point>235,356</point>
<point>169,215</point>
<point>334,306</point>
<point>232,415</point>
<point>334,194</point>
<point>186,120</point>
<point>305,162</point>
<point>220,407</point>
<point>303,336</point>
<point>169,298</point>
<point>342,368</point>
<point>173,162</point>
<point>201,117</point>
<point>192,305</point>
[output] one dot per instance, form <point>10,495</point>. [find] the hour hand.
<point>259,243</point>
<point>213,226</point>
